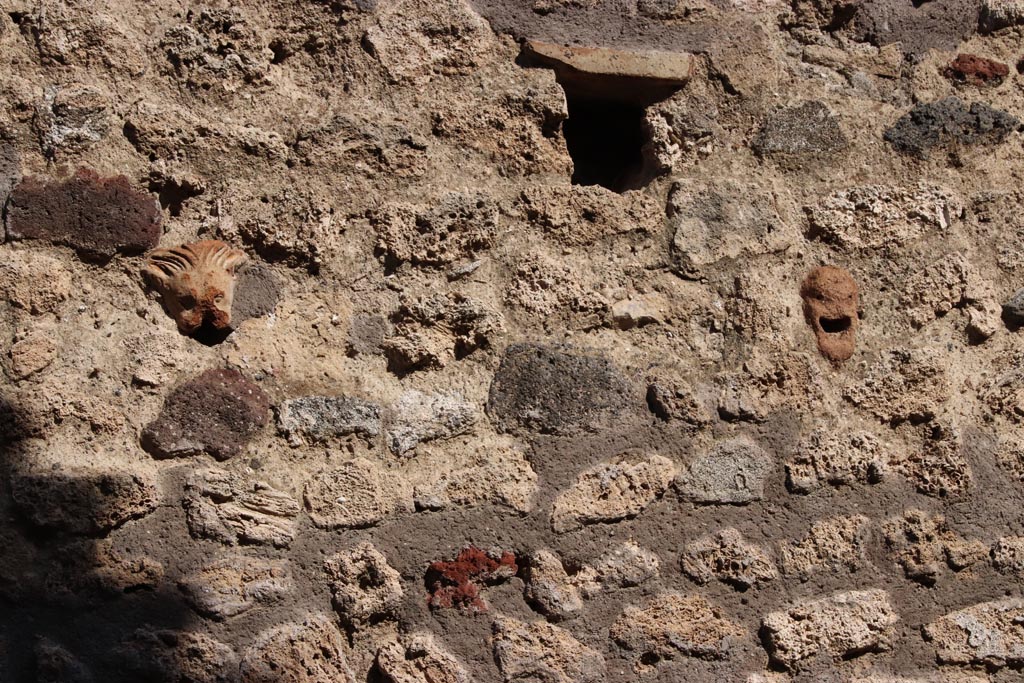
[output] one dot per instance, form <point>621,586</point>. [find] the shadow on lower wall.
<point>68,614</point>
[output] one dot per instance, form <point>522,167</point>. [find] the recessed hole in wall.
<point>605,131</point>
<point>605,139</point>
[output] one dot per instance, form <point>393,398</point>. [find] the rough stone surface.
<point>671,625</point>
<point>541,652</point>
<point>364,585</point>
<point>728,557</point>
<point>297,652</point>
<point>215,413</point>
<point>419,658</point>
<point>356,494</point>
<point>903,384</point>
<point>827,458</point>
<point>831,545</point>
<point>807,128</point>
<point>612,491</point>
<point>925,547</point>
<point>550,588</point>
<point>940,25</point>
<point>975,70</point>
<point>231,509</point>
<point>82,500</point>
<point>841,625</point>
<point>732,472</point>
<point>949,123</point>
<point>987,633</point>
<point>554,391</point>
<point>321,418</point>
<point>234,585</point>
<point>94,215</point>
<point>71,119</point>
<point>1008,555</point>
<point>419,418</point>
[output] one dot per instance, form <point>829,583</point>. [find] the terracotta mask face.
<point>197,282</point>
<point>830,308</point>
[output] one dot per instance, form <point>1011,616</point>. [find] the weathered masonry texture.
<point>493,341</point>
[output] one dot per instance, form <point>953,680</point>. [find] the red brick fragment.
<point>975,70</point>
<point>96,216</point>
<point>457,583</point>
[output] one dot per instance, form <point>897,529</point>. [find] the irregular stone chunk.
<point>952,282</point>
<point>807,128</point>
<point>833,545</point>
<point>257,292</point>
<point>365,587</point>
<point>416,42</point>
<point>722,219</point>
<point>975,70</point>
<point>34,282</point>
<point>623,567</point>
<point>357,494</point>
<point>166,655</point>
<point>988,633</point>
<point>924,546</point>
<point>831,309</point>
<point>95,216</point>
<point>553,390</point>
<point>82,500</point>
<point>939,467</point>
<point>419,659</point>
<point>1004,395</point>
<point>671,625</point>
<point>876,216</point>
<point>903,384</point>
<point>612,491</point>
<point>226,508</point>
<point>1013,309</point>
<point>728,557</point>
<point>322,418</point>
<point>430,331</point>
<point>581,65</point>
<point>549,588</point>
<point>671,400</point>
<point>945,677</point>
<point>233,585</point>
<point>455,227</point>
<point>842,625</point>
<point>999,14</point>
<point>541,652</point>
<point>298,652</point>
<point>939,26</point>
<point>826,457</point>
<point>948,123</point>
<point>71,119</point>
<point>10,165</point>
<point>1008,555</point>
<point>732,472</point>
<point>499,475</point>
<point>216,412</point>
<point>584,214</point>
<point>216,48</point>
<point>420,418</point>
<point>32,354</point>
<point>54,664</point>
<point>457,583</point>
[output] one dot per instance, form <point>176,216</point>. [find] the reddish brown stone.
<point>457,583</point>
<point>975,70</point>
<point>217,413</point>
<point>95,216</point>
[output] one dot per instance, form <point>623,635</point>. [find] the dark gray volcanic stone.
<point>551,390</point>
<point>256,294</point>
<point>949,122</point>
<point>95,216</point>
<point>1013,310</point>
<point>82,503</point>
<point>10,167</point>
<point>809,128</point>
<point>938,24</point>
<point>217,413</point>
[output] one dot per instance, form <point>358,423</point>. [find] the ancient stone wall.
<point>437,341</point>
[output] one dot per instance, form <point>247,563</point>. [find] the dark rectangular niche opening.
<point>605,131</point>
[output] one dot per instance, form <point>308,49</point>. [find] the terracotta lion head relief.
<point>197,283</point>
